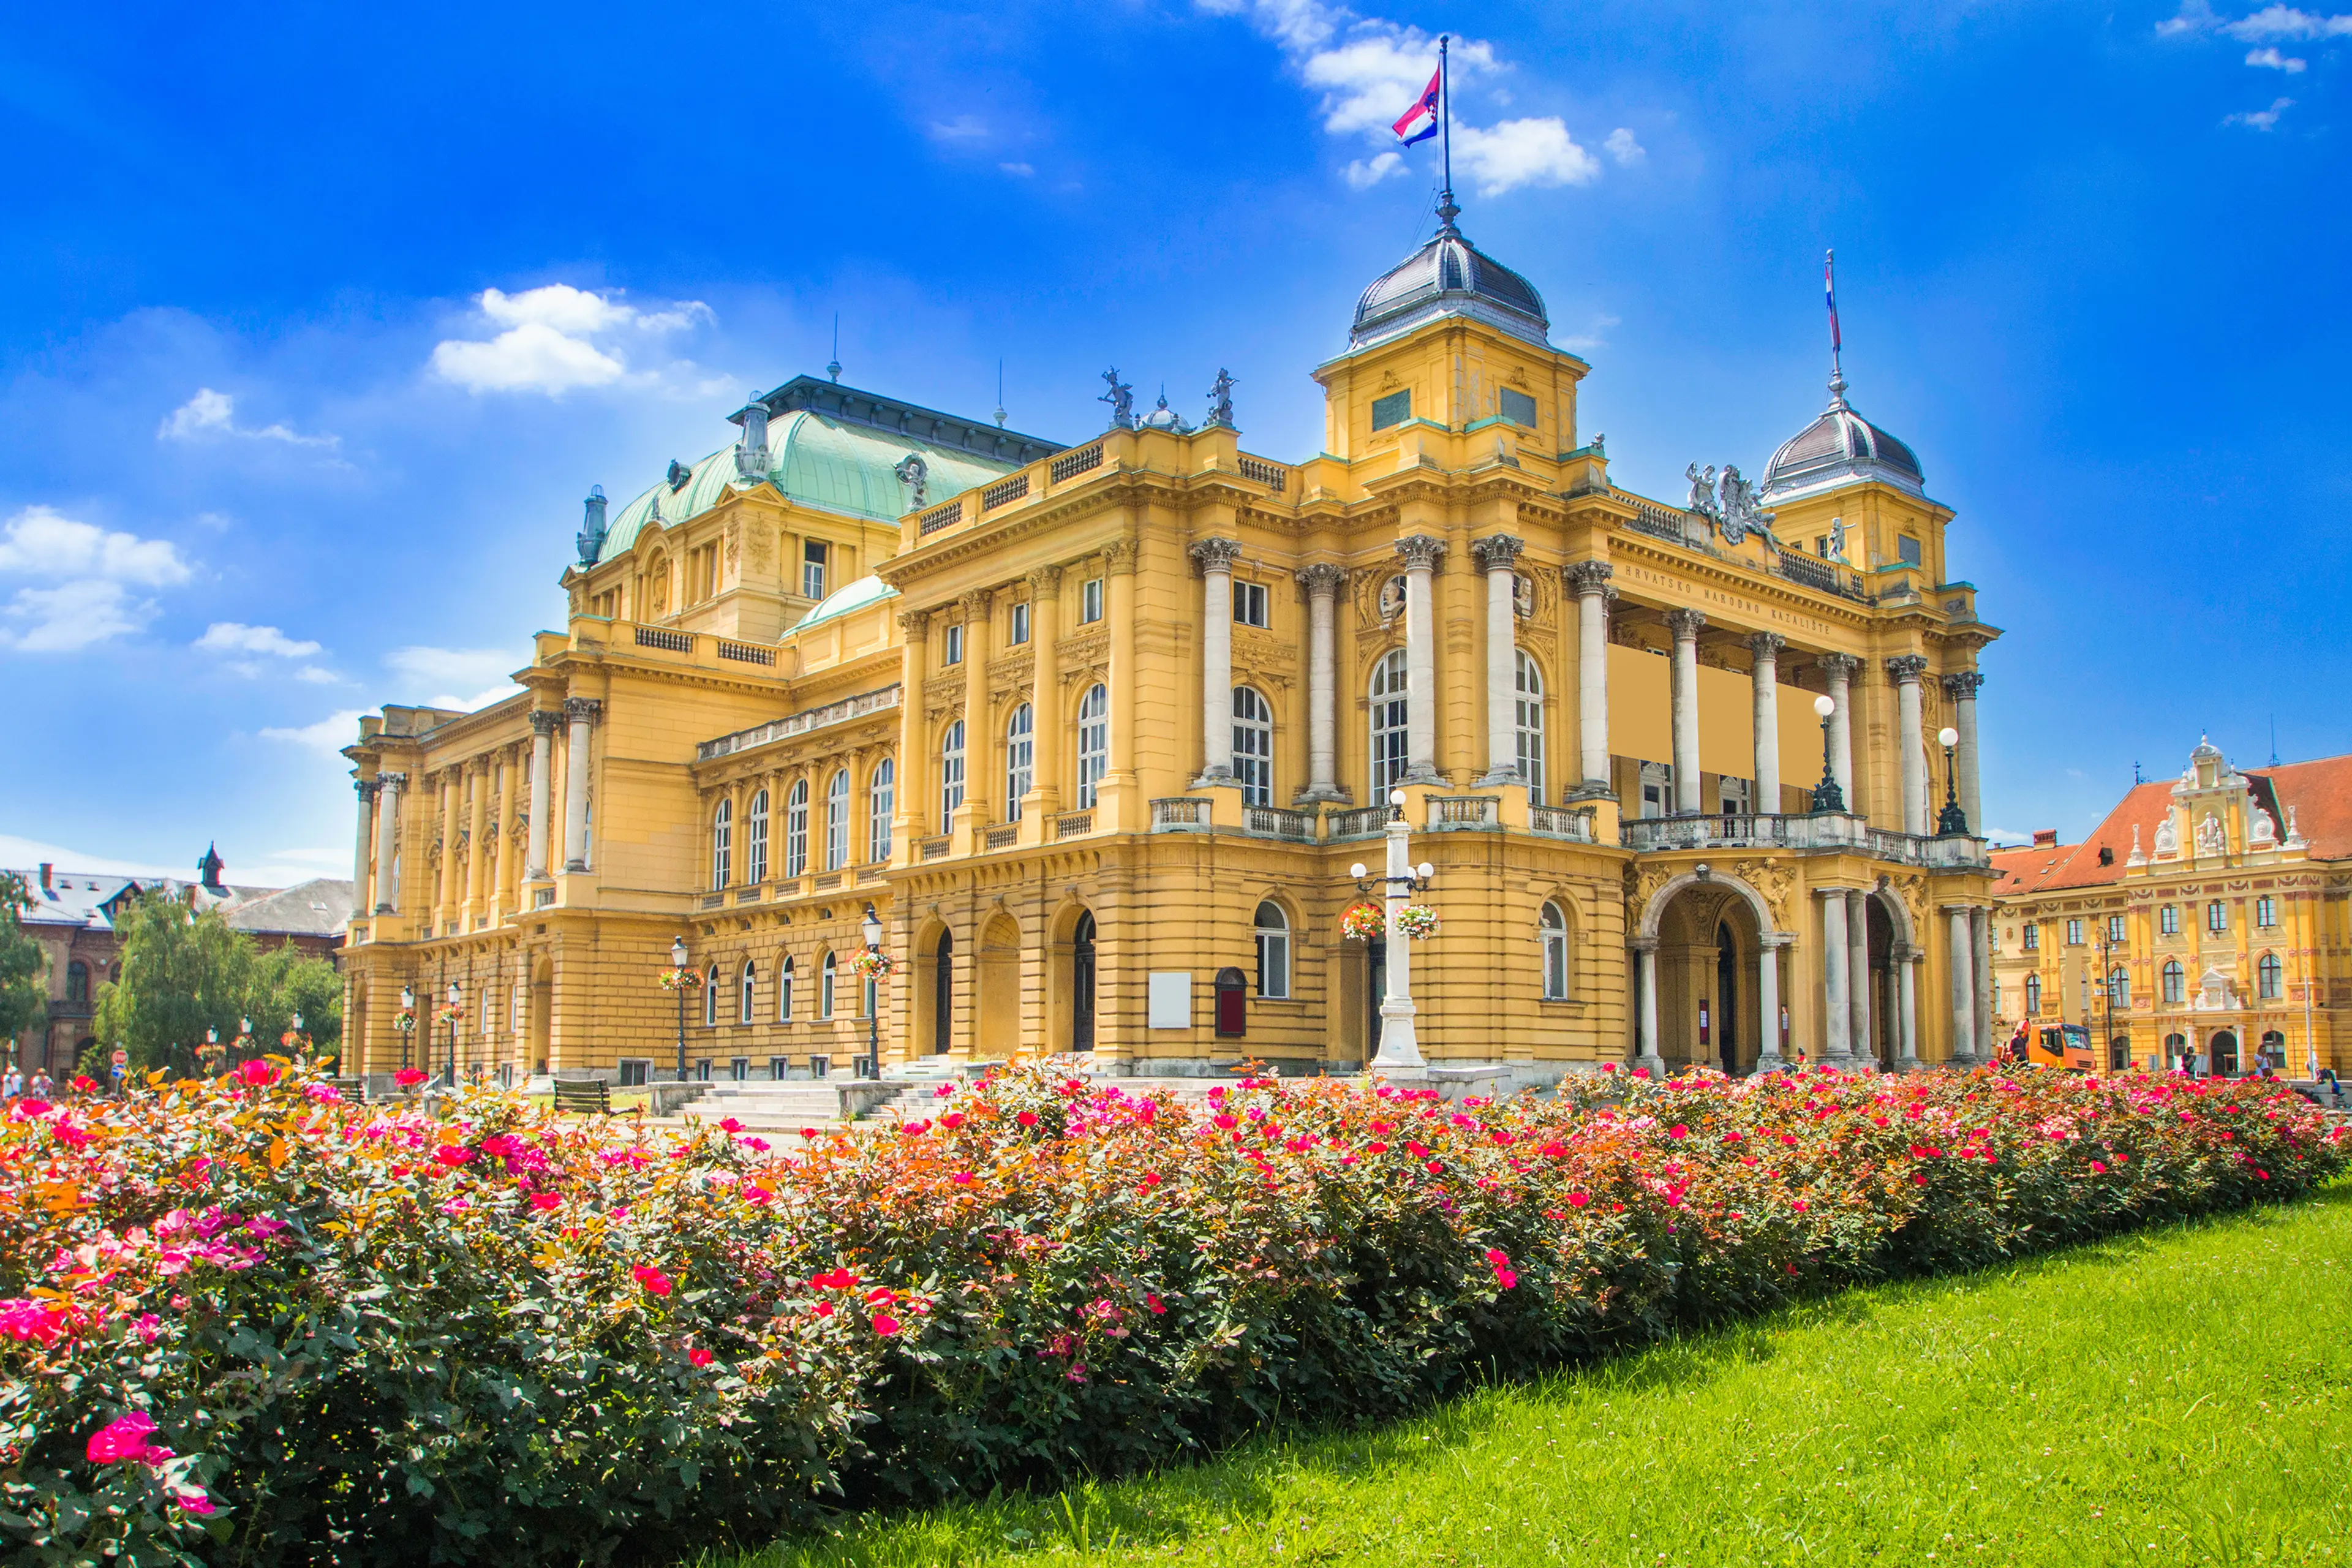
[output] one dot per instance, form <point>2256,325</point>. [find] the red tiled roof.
<point>2320,792</point>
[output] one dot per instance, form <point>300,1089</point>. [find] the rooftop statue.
<point>1220,401</point>
<point>1121,399</point>
<point>916,475</point>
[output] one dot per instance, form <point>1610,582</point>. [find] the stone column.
<point>1120,557</point>
<point>367,789</point>
<point>1962,690</point>
<point>1498,556</point>
<point>1839,669</point>
<point>1420,553</point>
<point>1766,677</point>
<point>1685,625</point>
<point>477,840</point>
<point>1216,558</point>
<point>502,830</point>
<point>1960,954</point>
<point>446,884</point>
<point>1767,1002</point>
<point>580,712</point>
<point>1048,716</point>
<point>1980,950</point>
<point>978,739</point>
<point>387,840</point>
<point>542,771</point>
<point>1322,583</point>
<point>1837,1010</point>
<point>911,783</point>
<point>1907,1006</point>
<point>1904,671</point>
<point>1588,581</point>
<point>1857,968</point>
<point>1645,1015</point>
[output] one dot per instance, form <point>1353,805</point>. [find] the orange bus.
<point>2066,1045</point>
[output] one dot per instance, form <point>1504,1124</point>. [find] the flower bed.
<point>249,1322</point>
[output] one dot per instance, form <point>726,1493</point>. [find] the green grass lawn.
<point>2179,1398</point>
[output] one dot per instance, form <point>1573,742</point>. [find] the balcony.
<point>1276,822</point>
<point>800,723</point>
<point>1557,822</point>
<point>1827,830</point>
<point>1458,813</point>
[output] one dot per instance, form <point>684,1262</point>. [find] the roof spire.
<point>1447,211</point>
<point>833,369</point>
<point>1000,392</point>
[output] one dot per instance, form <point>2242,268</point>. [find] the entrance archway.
<point>1082,983</point>
<point>1697,932</point>
<point>2223,1054</point>
<point>934,989</point>
<point>1375,991</point>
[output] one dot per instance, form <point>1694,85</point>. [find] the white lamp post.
<point>1400,1045</point>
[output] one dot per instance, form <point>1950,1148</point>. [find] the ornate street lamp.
<point>871,928</point>
<point>455,996</point>
<point>243,1045</point>
<point>1827,795</point>
<point>1951,821</point>
<point>1400,1045</point>
<point>678,968</point>
<point>405,1023</point>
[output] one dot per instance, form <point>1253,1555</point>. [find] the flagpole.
<point>1446,118</point>
<point>1837,344</point>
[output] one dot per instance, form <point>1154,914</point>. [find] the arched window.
<point>1020,759</point>
<point>2176,1050</point>
<point>1253,748</point>
<point>2271,977</point>
<point>711,996</point>
<point>1273,951</point>
<point>722,844</point>
<point>881,796</point>
<point>1553,922</point>
<point>796,829</point>
<point>2176,983</point>
<point>825,976</point>
<point>743,994</point>
<point>836,821</point>
<point>951,773</point>
<point>755,840</point>
<point>1530,721</point>
<point>2118,990</point>
<point>77,980</point>
<point>1094,744</point>
<point>785,990</point>
<point>2032,996</point>
<point>1389,724</point>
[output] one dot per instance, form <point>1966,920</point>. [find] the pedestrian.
<point>12,1086</point>
<point>41,1086</point>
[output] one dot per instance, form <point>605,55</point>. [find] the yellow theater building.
<point>1098,729</point>
<point>2202,924</point>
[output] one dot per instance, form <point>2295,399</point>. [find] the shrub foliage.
<point>248,1322</point>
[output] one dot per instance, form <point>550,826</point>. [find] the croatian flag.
<point>1828,287</point>
<point>1418,124</point>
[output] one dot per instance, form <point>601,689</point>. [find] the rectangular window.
<point>516,1027</point>
<point>955,645</point>
<point>1516,406</point>
<point>1906,550</point>
<point>812,555</point>
<point>2265,912</point>
<point>2115,928</point>
<point>2167,920</point>
<point>1090,600</point>
<point>1249,604</point>
<point>2074,934</point>
<point>2217,916</point>
<point>1019,622</point>
<point>1394,409</point>
<point>2033,939</point>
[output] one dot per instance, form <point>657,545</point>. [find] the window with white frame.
<point>1094,744</point>
<point>2074,934</point>
<point>1273,951</point>
<point>2167,920</point>
<point>2217,916</point>
<point>1253,761</point>
<point>2270,977</point>
<point>743,986</point>
<point>2266,911</point>
<point>1527,717</point>
<point>881,792</point>
<point>2032,996</point>
<point>955,645</point>
<point>2176,983</point>
<point>1389,737</point>
<point>489,1009</point>
<point>836,821</point>
<point>1249,604</point>
<point>755,840</point>
<point>951,773</point>
<point>785,990</point>
<point>1737,795</point>
<point>1552,922</point>
<point>826,974</point>
<point>710,997</point>
<point>2115,928</point>
<point>1020,759</point>
<point>514,1026</point>
<point>797,829</point>
<point>2032,938</point>
<point>1090,600</point>
<point>1657,789</point>
<point>722,844</point>
<point>2118,990</point>
<point>1019,631</point>
<point>813,563</point>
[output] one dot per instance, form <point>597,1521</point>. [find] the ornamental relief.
<point>1773,881</point>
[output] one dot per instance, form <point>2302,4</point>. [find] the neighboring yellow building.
<point>2203,922</point>
<point>1099,728</point>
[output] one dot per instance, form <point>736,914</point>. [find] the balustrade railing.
<point>673,642</point>
<point>1179,813</point>
<point>933,849</point>
<point>799,723</point>
<point>1358,822</point>
<point>1070,465</point>
<point>1004,838</point>
<point>940,516</point>
<point>1560,822</point>
<point>1460,811</point>
<point>746,653</point>
<point>1263,473</point>
<point>1821,830</point>
<point>1003,491</point>
<point>1278,822</point>
<point>1071,823</point>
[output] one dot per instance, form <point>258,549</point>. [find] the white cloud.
<point>547,346</point>
<point>327,737</point>
<point>453,669</point>
<point>317,677</point>
<point>2276,61</point>
<point>1524,152</point>
<point>73,616</point>
<point>41,540</point>
<point>962,128</point>
<point>2261,119</point>
<point>27,854</point>
<point>1364,173</point>
<point>1622,147</point>
<point>2287,24</point>
<point>235,636</point>
<point>1020,170</point>
<point>211,413</point>
<point>2195,16</point>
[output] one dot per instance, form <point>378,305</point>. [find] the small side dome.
<point>842,601</point>
<point>1841,448</point>
<point>1449,276</point>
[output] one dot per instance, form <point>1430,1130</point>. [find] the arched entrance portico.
<point>1706,977</point>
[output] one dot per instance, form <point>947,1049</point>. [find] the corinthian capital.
<point>1045,579</point>
<point>1322,580</point>
<point>1838,666</point>
<point>1685,625</point>
<point>1587,576</point>
<point>1766,645</point>
<point>582,709</point>
<point>1905,669</point>
<point>1962,686</point>
<point>390,781</point>
<point>975,602</point>
<point>914,624</point>
<point>1419,552</point>
<point>1216,554</point>
<point>1498,553</point>
<point>545,720</point>
<point>369,789</point>
<point>1119,556</point>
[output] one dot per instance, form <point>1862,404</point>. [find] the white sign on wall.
<point>1170,999</point>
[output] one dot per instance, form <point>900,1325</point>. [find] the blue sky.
<point>315,325</point>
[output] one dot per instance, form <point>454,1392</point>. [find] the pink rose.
<point>655,1281</point>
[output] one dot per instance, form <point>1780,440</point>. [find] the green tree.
<point>183,973</point>
<point>288,981</point>
<point>21,1001</point>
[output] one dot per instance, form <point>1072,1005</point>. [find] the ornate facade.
<point>2203,923</point>
<point>1100,730</point>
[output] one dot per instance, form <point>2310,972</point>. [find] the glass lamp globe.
<point>1425,870</point>
<point>1396,798</point>
<point>1948,736</point>
<point>1824,706</point>
<point>1357,869</point>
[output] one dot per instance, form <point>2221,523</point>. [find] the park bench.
<point>578,1094</point>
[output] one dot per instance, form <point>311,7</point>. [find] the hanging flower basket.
<point>405,1020</point>
<point>450,1012</point>
<point>1363,923</point>
<point>874,965</point>
<point>1418,921</point>
<point>681,980</point>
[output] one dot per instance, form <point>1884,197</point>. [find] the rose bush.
<point>246,1321</point>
